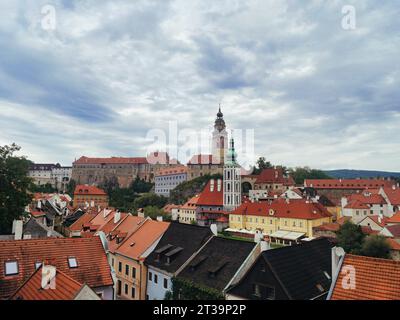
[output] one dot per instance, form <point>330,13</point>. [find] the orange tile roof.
<point>37,214</point>
<point>171,171</point>
<point>191,203</point>
<point>93,268</point>
<point>274,175</point>
<point>395,218</point>
<point>139,241</point>
<point>212,198</point>
<point>367,197</point>
<point>102,218</point>
<point>375,279</point>
<point>88,190</point>
<point>352,184</point>
<point>357,204</point>
<point>125,228</point>
<point>112,160</point>
<point>393,194</point>
<point>66,288</point>
<point>110,225</point>
<point>168,207</point>
<point>82,221</point>
<point>297,209</point>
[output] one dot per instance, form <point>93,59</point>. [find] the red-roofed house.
<point>298,217</point>
<point>365,278</point>
<point>128,259</point>
<point>64,288</point>
<point>357,206</point>
<point>392,197</point>
<point>210,206</point>
<point>82,259</point>
<point>85,195</point>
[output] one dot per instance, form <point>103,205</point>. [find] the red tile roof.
<point>214,197</point>
<point>93,268</point>
<point>274,176</point>
<point>393,194</point>
<point>352,184</point>
<point>379,221</point>
<point>395,218</point>
<point>82,221</point>
<point>66,288</point>
<point>140,240</point>
<point>365,199</point>
<point>37,214</point>
<point>171,171</point>
<point>394,230</point>
<point>88,190</point>
<point>357,204</point>
<point>191,204</point>
<point>375,279</point>
<point>297,209</point>
<point>111,224</point>
<point>112,160</point>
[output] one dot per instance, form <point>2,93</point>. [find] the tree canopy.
<point>299,174</point>
<point>350,237</point>
<point>14,186</point>
<point>376,246</point>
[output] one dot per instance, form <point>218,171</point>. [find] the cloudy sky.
<point>105,73</point>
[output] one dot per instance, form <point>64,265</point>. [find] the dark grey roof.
<point>216,264</point>
<point>303,271</point>
<point>73,217</point>
<point>179,243</point>
<point>35,229</point>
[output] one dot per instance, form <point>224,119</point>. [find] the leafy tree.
<point>122,199</point>
<point>141,186</point>
<point>261,164</point>
<point>154,212</point>
<point>189,189</point>
<point>71,187</point>
<point>45,188</point>
<point>149,199</point>
<point>110,185</point>
<point>350,237</point>
<point>14,186</point>
<point>376,246</point>
<point>301,173</point>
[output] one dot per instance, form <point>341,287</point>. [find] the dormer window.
<point>11,268</point>
<point>72,263</point>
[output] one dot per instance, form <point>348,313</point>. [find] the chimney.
<point>92,204</point>
<point>258,236</point>
<point>214,229</point>
<point>18,229</point>
<point>117,216</point>
<point>160,219</point>
<point>336,254</point>
<point>212,185</point>
<point>140,213</point>
<point>287,200</point>
<point>265,245</point>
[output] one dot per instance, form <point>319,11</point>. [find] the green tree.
<point>350,237</point>
<point>154,212</point>
<point>376,246</point>
<point>14,186</point>
<point>141,186</point>
<point>71,187</point>
<point>261,164</point>
<point>299,174</point>
<point>45,188</point>
<point>149,199</point>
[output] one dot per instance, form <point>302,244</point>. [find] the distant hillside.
<point>352,174</point>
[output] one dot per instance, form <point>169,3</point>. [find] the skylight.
<point>11,268</point>
<point>72,262</point>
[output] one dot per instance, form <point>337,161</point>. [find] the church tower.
<point>232,180</point>
<point>219,138</point>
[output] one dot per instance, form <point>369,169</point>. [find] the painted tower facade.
<point>219,139</point>
<point>232,180</point>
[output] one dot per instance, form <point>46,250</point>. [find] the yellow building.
<point>297,216</point>
<point>128,259</point>
<point>187,212</point>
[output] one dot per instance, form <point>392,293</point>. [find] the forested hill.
<point>352,174</point>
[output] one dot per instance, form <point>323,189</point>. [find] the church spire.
<point>220,122</point>
<point>231,154</point>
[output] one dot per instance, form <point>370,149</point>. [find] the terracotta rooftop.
<point>297,209</point>
<point>93,268</point>
<point>135,245</point>
<point>352,184</point>
<point>274,175</point>
<point>112,160</point>
<point>88,190</point>
<point>393,193</point>
<point>212,194</point>
<point>171,171</point>
<point>395,218</point>
<point>66,288</point>
<point>376,279</point>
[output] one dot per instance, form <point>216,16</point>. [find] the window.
<point>72,263</point>
<point>120,266</point>
<point>126,288</point>
<point>133,292</point>
<point>133,272</point>
<point>127,270</point>
<point>155,278</point>
<point>150,276</point>
<point>165,283</point>
<point>11,268</point>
